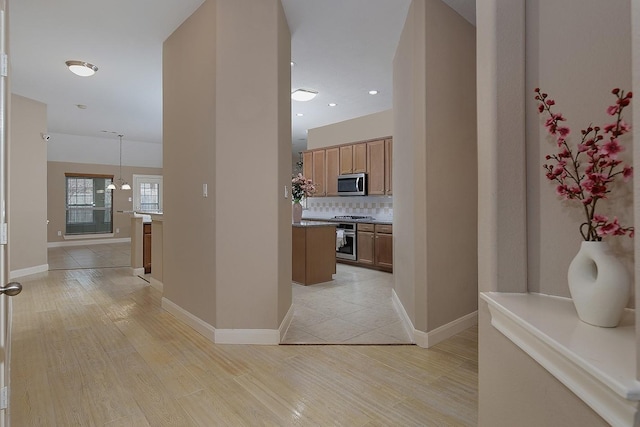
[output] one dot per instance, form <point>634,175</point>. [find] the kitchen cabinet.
<point>366,246</point>
<point>346,159</point>
<point>146,247</point>
<point>388,166</point>
<point>375,246</point>
<point>313,254</point>
<point>313,167</point>
<point>375,167</point>
<point>383,246</point>
<point>353,158</point>
<point>332,170</point>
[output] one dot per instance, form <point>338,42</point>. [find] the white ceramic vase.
<point>599,284</point>
<point>296,212</point>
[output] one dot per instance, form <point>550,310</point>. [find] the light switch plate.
<point>286,192</point>
<point>205,191</point>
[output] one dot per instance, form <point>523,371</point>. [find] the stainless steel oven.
<point>346,241</point>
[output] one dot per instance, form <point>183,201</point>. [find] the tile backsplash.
<point>379,207</point>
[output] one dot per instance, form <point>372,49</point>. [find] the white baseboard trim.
<point>137,271</point>
<point>196,323</point>
<point>248,336</point>
<point>81,242</point>
<point>156,284</point>
<point>406,320</point>
<point>429,339</point>
<point>27,271</point>
<point>286,322</point>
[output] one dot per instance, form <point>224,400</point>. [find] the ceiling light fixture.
<point>299,114</point>
<point>124,185</point>
<point>81,68</point>
<point>332,104</point>
<point>303,94</point>
<point>373,92</point>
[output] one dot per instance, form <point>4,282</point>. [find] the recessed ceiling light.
<point>332,104</point>
<point>293,64</point>
<point>299,114</point>
<point>81,68</point>
<point>81,106</point>
<point>303,94</point>
<point>373,92</point>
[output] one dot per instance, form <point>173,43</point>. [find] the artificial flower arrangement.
<point>301,187</point>
<point>584,173</point>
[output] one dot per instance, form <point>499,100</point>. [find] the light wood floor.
<point>94,348</point>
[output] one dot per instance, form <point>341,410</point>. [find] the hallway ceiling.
<point>342,49</point>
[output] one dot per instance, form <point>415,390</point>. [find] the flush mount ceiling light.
<point>373,92</point>
<point>81,68</point>
<point>303,94</point>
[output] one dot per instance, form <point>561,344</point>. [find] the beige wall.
<point>57,192</point>
<point>189,112</point>
<point>253,134</point>
<point>362,128</point>
<point>27,195</point>
<point>227,125</point>
<point>578,61</point>
<point>435,208</point>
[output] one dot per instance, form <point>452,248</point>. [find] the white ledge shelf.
<point>597,364</point>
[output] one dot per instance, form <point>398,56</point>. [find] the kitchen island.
<point>313,252</point>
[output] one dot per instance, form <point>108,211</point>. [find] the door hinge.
<point>4,398</point>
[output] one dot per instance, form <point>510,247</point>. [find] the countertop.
<point>333,220</point>
<point>304,223</point>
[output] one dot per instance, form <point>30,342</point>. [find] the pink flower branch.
<point>588,182</point>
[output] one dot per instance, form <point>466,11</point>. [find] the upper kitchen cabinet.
<point>318,175</point>
<point>333,169</point>
<point>353,158</point>
<point>376,167</point>
<point>307,164</point>
<point>388,165</point>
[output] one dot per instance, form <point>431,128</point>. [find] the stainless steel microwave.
<point>354,184</point>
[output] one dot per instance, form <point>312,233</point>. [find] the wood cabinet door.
<point>365,247</point>
<point>388,166</point>
<point>332,170</point>
<point>346,159</point>
<point>318,174</point>
<point>375,167</point>
<point>360,158</point>
<point>384,250</point>
<point>307,164</point>
<point>146,248</point>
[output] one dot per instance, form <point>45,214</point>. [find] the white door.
<point>11,289</point>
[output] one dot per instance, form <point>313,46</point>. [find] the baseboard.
<point>286,322</point>
<point>248,336</point>
<point>81,242</point>
<point>137,271</point>
<point>406,320</point>
<point>156,284</point>
<point>199,325</point>
<point>27,271</point>
<point>429,339</point>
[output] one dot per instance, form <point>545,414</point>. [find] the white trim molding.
<point>81,242</point>
<point>597,364</point>
<point>439,334</point>
<point>27,271</point>
<point>406,320</point>
<point>286,322</point>
<point>248,336</point>
<point>137,271</point>
<point>199,325</point>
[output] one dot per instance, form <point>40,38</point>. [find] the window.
<point>147,193</point>
<point>88,204</point>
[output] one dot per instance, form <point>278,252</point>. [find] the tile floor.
<point>105,255</point>
<point>354,308</point>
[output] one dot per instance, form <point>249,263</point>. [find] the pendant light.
<point>124,185</point>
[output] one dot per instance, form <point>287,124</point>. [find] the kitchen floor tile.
<point>354,308</point>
